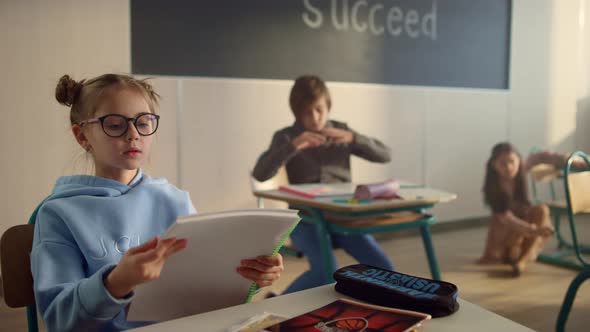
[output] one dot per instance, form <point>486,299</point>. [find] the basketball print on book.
<point>350,316</point>
<point>352,324</point>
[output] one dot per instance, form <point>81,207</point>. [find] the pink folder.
<point>387,189</point>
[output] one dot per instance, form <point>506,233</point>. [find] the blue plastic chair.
<point>558,208</point>
<point>577,192</point>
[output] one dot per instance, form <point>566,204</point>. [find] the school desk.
<point>469,318</point>
<point>409,213</point>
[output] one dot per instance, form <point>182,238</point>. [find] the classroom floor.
<point>532,300</point>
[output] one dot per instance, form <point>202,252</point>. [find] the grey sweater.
<point>328,163</point>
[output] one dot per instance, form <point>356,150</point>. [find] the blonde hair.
<point>84,97</point>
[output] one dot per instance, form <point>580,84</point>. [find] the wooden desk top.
<point>470,317</point>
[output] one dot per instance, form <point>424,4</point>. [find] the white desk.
<point>416,199</point>
<point>469,318</point>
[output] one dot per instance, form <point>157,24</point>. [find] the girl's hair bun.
<point>67,90</point>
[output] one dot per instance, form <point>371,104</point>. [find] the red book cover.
<point>349,316</point>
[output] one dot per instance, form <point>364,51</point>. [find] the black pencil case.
<point>393,289</point>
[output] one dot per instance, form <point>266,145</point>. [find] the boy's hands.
<point>309,139</point>
<point>263,270</point>
<point>141,264</point>
<point>338,136</point>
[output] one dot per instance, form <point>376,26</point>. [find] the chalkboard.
<point>449,43</point>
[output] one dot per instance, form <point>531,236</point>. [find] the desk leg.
<point>325,245</point>
<point>570,296</point>
<point>429,248</point>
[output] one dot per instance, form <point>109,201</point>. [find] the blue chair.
<point>577,192</point>
<point>550,176</point>
<point>17,281</point>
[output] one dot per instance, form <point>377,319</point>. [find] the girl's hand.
<point>308,139</point>
<point>545,231</point>
<point>263,270</point>
<point>338,136</point>
<point>141,264</point>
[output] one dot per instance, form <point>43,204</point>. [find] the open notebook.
<point>203,277</point>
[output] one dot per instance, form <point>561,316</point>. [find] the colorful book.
<point>346,315</point>
<point>203,276</point>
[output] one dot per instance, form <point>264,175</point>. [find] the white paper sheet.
<point>203,277</point>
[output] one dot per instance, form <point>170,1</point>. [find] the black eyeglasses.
<point>116,125</point>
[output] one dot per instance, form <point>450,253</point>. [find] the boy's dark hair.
<point>497,197</point>
<point>306,90</point>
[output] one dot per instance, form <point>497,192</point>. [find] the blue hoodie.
<point>81,233</point>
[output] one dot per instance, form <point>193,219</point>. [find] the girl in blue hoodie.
<point>96,237</point>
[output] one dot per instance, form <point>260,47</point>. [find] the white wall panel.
<point>42,40</point>
<point>226,125</point>
<point>462,127</point>
<point>394,115</point>
<point>164,158</point>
